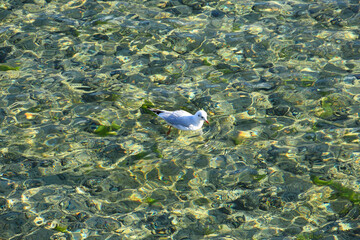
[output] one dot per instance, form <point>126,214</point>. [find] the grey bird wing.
<point>176,118</point>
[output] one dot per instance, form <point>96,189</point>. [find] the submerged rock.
<point>246,203</point>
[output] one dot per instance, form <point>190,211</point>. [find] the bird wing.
<point>178,119</point>
<point>181,113</point>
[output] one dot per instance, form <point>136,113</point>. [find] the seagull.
<point>181,119</point>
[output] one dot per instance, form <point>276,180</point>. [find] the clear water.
<point>82,158</point>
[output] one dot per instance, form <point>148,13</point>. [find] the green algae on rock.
<point>340,190</point>
<point>146,105</point>
<point>61,228</point>
<point>333,107</point>
<point>8,68</point>
<point>103,130</point>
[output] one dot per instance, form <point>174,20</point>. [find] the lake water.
<point>81,156</point>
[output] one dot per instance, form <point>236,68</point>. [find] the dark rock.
<point>99,96</point>
<point>125,206</point>
<point>180,10</point>
<point>217,14</point>
<point>194,4</point>
<point>81,216</point>
<point>118,74</point>
<point>112,153</point>
<point>4,51</point>
<point>266,7</point>
<point>6,186</point>
<point>3,204</point>
<point>76,226</point>
<point>42,233</point>
<point>268,202</point>
<point>160,225</point>
<point>184,42</point>
<point>351,50</point>
<point>107,224</point>
<point>281,110</point>
<point>246,203</point>
<point>13,223</point>
<point>207,189</point>
<point>235,222</point>
<point>332,68</point>
<point>4,13</point>
<point>2,115</point>
<point>85,124</point>
<point>201,201</point>
<point>101,37</point>
<point>169,168</point>
<point>221,214</point>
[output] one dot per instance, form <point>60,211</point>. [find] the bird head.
<point>202,116</point>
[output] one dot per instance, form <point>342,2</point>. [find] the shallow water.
<point>82,157</point>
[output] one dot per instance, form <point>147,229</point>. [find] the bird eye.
<point>199,115</point>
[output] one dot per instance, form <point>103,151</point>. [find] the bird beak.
<point>207,121</point>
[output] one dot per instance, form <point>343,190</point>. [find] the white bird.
<point>181,119</point>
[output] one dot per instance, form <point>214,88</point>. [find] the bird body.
<point>181,119</point>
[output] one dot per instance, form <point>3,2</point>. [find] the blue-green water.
<point>82,158</point>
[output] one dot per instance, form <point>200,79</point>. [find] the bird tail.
<point>156,111</point>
